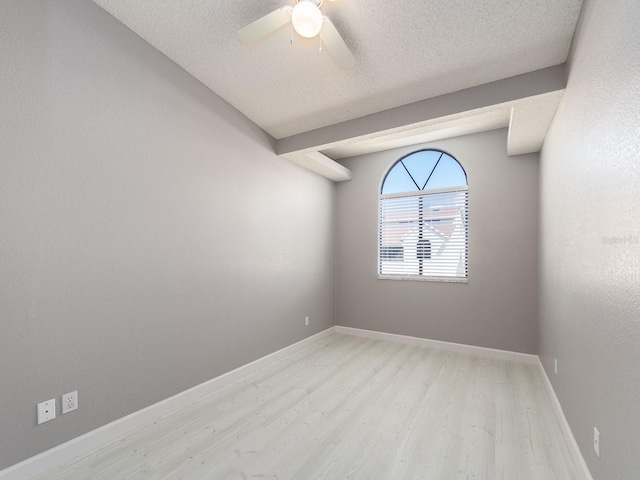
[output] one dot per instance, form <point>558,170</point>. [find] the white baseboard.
<point>96,438</point>
<point>564,425</point>
<point>484,352</point>
<point>439,345</point>
<point>112,431</point>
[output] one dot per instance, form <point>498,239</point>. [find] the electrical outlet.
<point>69,402</point>
<point>555,366</point>
<point>596,441</point>
<point>46,411</point>
<point>306,320</point>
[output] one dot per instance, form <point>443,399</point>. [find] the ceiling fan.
<point>307,21</point>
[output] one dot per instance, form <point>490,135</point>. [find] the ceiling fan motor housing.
<point>306,18</point>
<point>308,22</point>
<point>317,3</point>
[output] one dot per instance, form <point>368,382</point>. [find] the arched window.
<point>423,218</point>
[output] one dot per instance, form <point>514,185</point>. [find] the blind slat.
<point>424,235</point>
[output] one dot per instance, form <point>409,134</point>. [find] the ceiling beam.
<point>321,164</point>
<point>529,122</point>
<point>499,92</point>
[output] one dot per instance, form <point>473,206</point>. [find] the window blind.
<point>424,235</point>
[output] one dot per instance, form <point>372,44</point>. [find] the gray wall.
<point>149,238</point>
<point>590,240</point>
<point>497,308</point>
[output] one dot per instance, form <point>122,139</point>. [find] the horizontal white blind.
<point>424,235</point>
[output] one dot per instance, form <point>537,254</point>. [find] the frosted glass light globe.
<point>306,19</point>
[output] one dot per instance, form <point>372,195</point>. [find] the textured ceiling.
<point>406,51</point>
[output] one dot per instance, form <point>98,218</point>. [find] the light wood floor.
<point>353,408</point>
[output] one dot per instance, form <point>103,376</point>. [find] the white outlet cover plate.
<point>596,441</point>
<point>69,402</point>
<point>46,411</point>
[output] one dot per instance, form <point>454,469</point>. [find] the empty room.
<point>319,239</point>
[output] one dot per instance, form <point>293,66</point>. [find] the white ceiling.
<point>406,51</point>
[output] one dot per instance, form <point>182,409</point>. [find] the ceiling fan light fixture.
<point>306,18</point>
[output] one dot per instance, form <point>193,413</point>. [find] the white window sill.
<point>417,278</point>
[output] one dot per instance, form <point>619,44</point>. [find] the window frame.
<point>417,193</point>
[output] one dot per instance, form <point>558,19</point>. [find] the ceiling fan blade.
<point>336,46</point>
<point>265,25</point>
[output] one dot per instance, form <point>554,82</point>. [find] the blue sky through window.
<point>420,165</point>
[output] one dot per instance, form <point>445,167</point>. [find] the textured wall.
<point>590,244</point>
<point>497,307</point>
<point>149,239</point>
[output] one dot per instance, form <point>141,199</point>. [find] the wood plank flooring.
<point>352,408</point>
